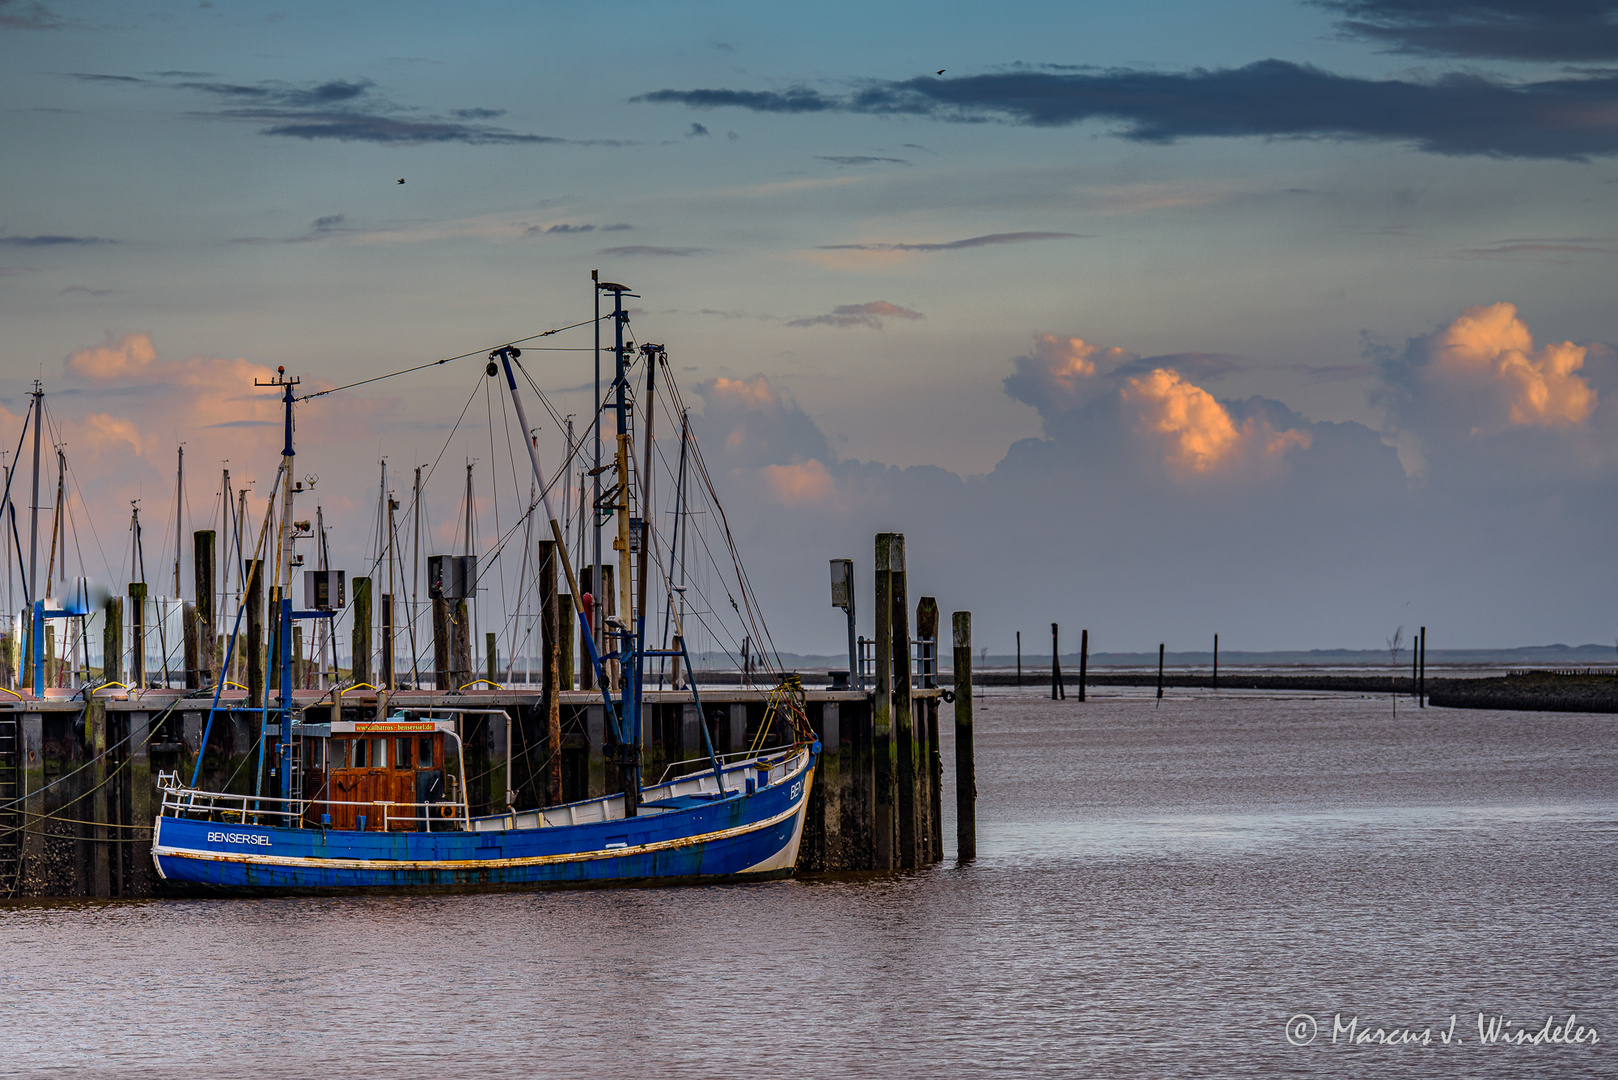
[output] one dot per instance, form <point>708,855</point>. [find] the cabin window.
<point>424,752</point>
<point>401,753</point>
<point>379,753</point>
<point>314,749</point>
<point>358,761</point>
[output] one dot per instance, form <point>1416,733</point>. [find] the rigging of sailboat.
<point>385,804</point>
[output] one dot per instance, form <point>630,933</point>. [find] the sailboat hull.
<point>747,834</point>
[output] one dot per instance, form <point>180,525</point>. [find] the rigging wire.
<point>446,360</point>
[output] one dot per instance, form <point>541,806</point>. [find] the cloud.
<point>536,230</point>
<point>347,110</point>
<point>1488,353</point>
<point>697,130</point>
<point>129,357</point>
<point>1080,386</point>
<point>868,315</point>
<point>1547,249</point>
<point>51,240</point>
<point>328,223</point>
<point>807,482</point>
<point>755,425</point>
<point>1570,30</point>
<point>989,240</point>
<point>1196,431</point>
<point>29,16</point>
<point>1060,374</point>
<point>1456,114</point>
<point>71,289</point>
<point>650,249</point>
<point>860,159</point>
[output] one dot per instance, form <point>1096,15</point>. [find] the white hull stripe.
<point>306,861</point>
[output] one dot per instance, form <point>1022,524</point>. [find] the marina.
<point>305,777</point>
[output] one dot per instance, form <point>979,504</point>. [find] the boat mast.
<point>32,585</point>
<point>598,633</point>
<point>283,577</point>
<point>415,578</point>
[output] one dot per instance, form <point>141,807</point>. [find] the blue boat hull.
<point>751,835</point>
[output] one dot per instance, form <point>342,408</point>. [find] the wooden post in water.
<point>95,733</point>
<point>884,853</point>
<point>566,620</point>
<point>966,787</point>
<point>360,638</point>
<point>1019,665</point>
<point>1415,667</point>
<point>137,634</point>
<point>1084,661</point>
<point>553,655</point>
<point>1057,689</point>
<point>203,559</point>
<point>441,637</point>
<point>1421,675</point>
<point>112,640</point>
<point>1160,671</point>
<point>460,640</point>
<point>192,644</point>
<point>1216,662</point>
<point>386,680</point>
<point>491,659</point>
<point>255,633</point>
<point>904,704</point>
<point>927,762</point>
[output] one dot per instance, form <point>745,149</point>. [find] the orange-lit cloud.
<point>806,482</point>
<point>1060,373</point>
<point>1198,432</point>
<point>1490,350</point>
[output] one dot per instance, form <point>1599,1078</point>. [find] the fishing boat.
<point>383,804</point>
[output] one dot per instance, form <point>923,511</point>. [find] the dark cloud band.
<point>1458,114</point>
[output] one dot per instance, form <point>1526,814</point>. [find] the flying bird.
<point>401,180</point>
<point>942,70</point>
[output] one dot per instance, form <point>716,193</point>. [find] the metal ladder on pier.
<point>11,808</point>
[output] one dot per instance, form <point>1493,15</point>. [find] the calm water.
<point>1159,889</point>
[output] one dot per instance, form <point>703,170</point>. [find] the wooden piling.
<point>904,706</point>
<point>1216,662</point>
<point>388,665</point>
<point>255,633</point>
<point>441,636</point>
<point>460,644</point>
<point>928,849</point>
<point>112,640</point>
<point>1057,689</point>
<point>1019,665</point>
<point>1415,666</point>
<point>1084,661</point>
<point>884,813</point>
<point>188,625</point>
<point>95,733</point>
<point>360,636</point>
<point>137,634</point>
<point>208,661</point>
<point>552,657</point>
<point>1421,676</point>
<point>1160,671</point>
<point>966,788</point>
<point>587,672</point>
<point>300,672</point>
<point>566,620</point>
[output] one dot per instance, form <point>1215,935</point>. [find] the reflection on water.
<point>1159,888</point>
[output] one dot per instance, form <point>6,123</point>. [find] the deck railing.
<point>234,809</point>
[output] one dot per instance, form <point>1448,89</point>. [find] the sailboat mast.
<point>415,577</point>
<point>179,510</point>
<point>32,591</point>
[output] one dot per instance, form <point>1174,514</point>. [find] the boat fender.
<point>815,749</point>
<point>948,696</point>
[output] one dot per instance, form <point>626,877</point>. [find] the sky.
<point>1286,321</point>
